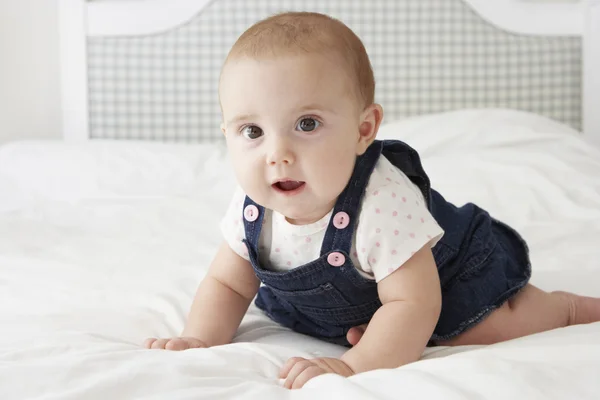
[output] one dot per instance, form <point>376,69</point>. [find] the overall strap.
<point>253,215</point>
<point>408,161</point>
<point>345,214</point>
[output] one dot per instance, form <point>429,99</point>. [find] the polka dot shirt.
<point>393,224</point>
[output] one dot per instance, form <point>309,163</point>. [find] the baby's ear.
<point>370,121</point>
<point>223,128</point>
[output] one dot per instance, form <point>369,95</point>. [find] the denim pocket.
<point>478,253</point>
<point>443,256</point>
<point>343,316</point>
<point>442,253</point>
<point>322,296</point>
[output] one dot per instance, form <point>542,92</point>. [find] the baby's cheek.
<point>337,165</point>
<point>344,168</point>
<point>251,185</point>
<point>333,180</point>
<point>247,172</point>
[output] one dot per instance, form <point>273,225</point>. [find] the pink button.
<point>251,213</point>
<point>336,259</point>
<point>341,220</point>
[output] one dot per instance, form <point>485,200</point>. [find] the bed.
<point>105,235</point>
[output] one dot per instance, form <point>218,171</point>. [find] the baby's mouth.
<point>288,185</point>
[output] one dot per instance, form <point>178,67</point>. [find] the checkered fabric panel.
<point>428,56</point>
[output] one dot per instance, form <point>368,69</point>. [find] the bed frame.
<point>148,69</point>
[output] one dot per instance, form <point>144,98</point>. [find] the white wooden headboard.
<point>559,39</point>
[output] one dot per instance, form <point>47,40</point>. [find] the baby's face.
<point>292,129</point>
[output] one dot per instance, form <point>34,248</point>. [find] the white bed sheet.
<point>103,244</point>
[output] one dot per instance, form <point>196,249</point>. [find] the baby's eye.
<point>252,132</point>
<point>307,124</point>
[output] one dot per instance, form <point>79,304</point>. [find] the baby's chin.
<point>291,214</point>
<point>296,211</point>
<point>298,216</point>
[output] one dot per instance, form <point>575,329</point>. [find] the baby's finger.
<point>296,370</point>
<point>285,370</point>
<point>159,344</point>
<point>148,342</point>
<point>177,344</point>
<point>306,376</point>
<point>195,343</point>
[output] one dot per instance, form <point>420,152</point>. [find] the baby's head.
<point>296,94</point>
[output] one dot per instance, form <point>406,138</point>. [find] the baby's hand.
<point>297,370</point>
<point>178,343</point>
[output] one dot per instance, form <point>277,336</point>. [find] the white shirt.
<point>393,224</point>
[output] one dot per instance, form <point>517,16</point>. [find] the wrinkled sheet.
<point>103,244</point>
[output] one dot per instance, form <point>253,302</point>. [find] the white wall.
<point>29,70</point>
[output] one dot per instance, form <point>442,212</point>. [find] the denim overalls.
<point>481,261</point>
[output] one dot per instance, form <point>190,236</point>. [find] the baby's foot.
<point>582,309</point>
<point>355,334</point>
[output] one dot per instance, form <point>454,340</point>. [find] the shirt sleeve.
<point>232,224</point>
<point>394,224</point>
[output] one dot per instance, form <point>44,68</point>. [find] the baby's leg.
<point>530,311</point>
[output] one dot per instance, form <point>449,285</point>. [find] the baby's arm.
<point>399,331</point>
<point>221,301</point>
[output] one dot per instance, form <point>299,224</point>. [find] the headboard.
<point>148,70</point>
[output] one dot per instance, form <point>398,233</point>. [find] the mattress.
<point>103,244</point>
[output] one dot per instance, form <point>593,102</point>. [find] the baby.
<point>349,240</point>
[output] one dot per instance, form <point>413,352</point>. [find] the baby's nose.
<point>281,153</point>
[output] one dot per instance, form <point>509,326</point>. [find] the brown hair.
<point>311,33</point>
